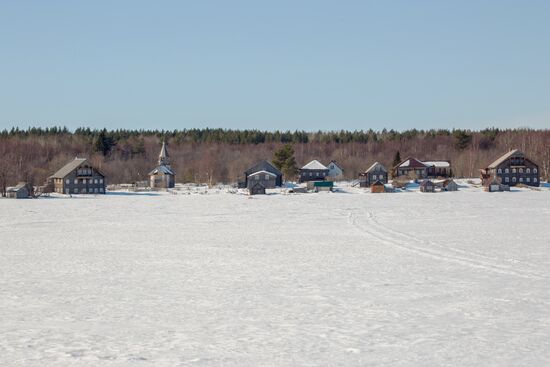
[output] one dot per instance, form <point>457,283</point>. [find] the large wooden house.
<point>416,168</point>
<point>376,172</point>
<point>511,169</point>
<point>313,171</point>
<point>162,177</point>
<point>263,173</point>
<point>78,176</point>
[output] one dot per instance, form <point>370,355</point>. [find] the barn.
<point>22,190</point>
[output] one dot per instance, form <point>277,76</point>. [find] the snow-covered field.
<point>329,279</point>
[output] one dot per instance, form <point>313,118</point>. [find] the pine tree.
<point>284,160</point>
<point>396,159</point>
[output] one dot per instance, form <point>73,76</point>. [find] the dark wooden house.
<point>162,176</point>
<point>511,169</point>
<point>416,168</point>
<point>78,176</point>
<point>313,171</point>
<point>376,172</point>
<point>22,190</point>
<point>263,172</point>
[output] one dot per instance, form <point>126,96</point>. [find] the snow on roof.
<point>69,167</point>
<point>263,172</point>
<point>376,165</point>
<point>314,164</point>
<point>497,163</point>
<point>162,169</point>
<point>442,164</point>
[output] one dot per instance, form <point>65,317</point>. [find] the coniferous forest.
<point>220,156</point>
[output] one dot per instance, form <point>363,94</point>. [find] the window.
<point>535,179</point>
<point>310,174</point>
<point>500,170</point>
<point>267,177</point>
<point>528,170</point>
<point>506,179</point>
<point>95,190</point>
<point>521,179</point>
<point>507,170</point>
<point>67,181</point>
<point>100,180</point>
<point>67,191</point>
<point>95,181</point>
<point>101,189</point>
<point>75,181</point>
<point>513,170</point>
<point>75,190</point>
<point>513,179</point>
<point>257,177</point>
<point>534,170</point>
<point>521,170</point>
<point>528,179</point>
<point>317,174</point>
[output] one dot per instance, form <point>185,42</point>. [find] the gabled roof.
<point>263,166</point>
<point>411,163</point>
<point>162,169</point>
<point>442,164</point>
<point>263,172</point>
<point>378,183</point>
<point>336,164</point>
<point>71,166</point>
<point>315,165</point>
<point>503,158</point>
<point>376,166</point>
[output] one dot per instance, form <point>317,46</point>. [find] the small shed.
<point>320,185</point>
<point>22,190</point>
<point>450,185</point>
<point>427,186</point>
<point>257,189</point>
<point>378,187</point>
<point>495,186</point>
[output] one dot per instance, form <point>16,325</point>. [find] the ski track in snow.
<point>371,227</point>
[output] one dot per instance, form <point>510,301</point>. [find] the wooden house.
<point>162,176</point>
<point>256,189</point>
<point>263,172</point>
<point>313,171</point>
<point>78,176</point>
<point>22,190</point>
<point>513,168</point>
<point>335,171</point>
<point>376,172</point>
<point>416,168</point>
<point>427,186</point>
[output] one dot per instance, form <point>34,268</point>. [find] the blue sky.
<point>275,65</point>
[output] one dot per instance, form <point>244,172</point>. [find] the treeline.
<point>228,136</point>
<point>221,155</point>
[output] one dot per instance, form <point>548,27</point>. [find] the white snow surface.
<point>329,279</point>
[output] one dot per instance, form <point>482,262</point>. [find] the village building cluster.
<point>80,176</point>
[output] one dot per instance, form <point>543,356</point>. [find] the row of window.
<point>528,179</point>
<point>527,170</point>
<point>85,191</point>
<point>83,181</point>
<point>317,174</point>
<point>379,177</point>
<point>84,171</point>
<point>257,177</point>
